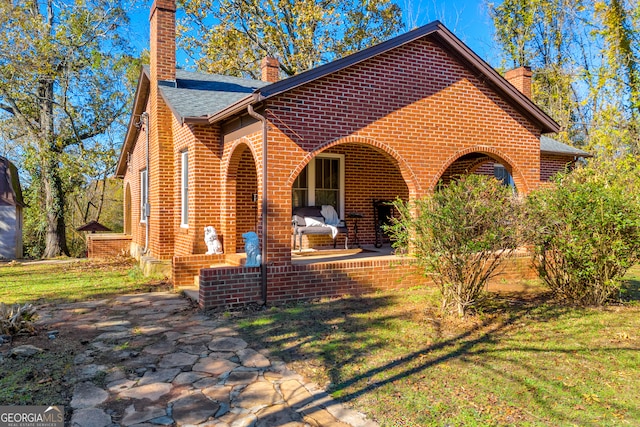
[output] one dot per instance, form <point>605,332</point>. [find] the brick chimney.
<point>163,40</point>
<point>520,78</point>
<point>160,174</point>
<point>270,70</point>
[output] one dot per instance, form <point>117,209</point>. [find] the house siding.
<point>10,232</point>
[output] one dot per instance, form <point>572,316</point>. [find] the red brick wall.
<point>185,268</point>
<point>107,245</point>
<point>163,39</point>
<point>226,287</point>
<point>161,170</point>
<point>137,163</point>
<point>416,103</point>
<point>205,188</point>
<point>550,164</point>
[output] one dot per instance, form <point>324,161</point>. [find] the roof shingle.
<point>202,95</point>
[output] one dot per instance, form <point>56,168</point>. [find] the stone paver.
<point>214,366</point>
<point>154,360</point>
<point>257,394</point>
<point>86,395</point>
<point>90,417</point>
<point>194,409</point>
<point>151,392</point>
<point>177,359</point>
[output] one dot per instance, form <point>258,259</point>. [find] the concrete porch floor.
<point>311,256</point>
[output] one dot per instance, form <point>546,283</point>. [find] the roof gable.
<point>439,34</point>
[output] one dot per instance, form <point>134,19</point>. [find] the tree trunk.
<point>56,239</point>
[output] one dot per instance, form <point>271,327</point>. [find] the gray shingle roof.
<point>549,145</point>
<point>202,95</point>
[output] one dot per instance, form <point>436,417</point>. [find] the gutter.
<point>263,263</point>
<point>237,107</point>
<point>145,118</point>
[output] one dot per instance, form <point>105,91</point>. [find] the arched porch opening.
<point>242,198</point>
<point>481,163</point>
<point>351,175</point>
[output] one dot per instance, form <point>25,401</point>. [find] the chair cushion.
<point>313,221</point>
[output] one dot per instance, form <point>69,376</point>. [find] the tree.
<point>585,59</point>
<point>460,235</point>
<point>232,36</point>
<point>63,84</point>
<point>542,34</point>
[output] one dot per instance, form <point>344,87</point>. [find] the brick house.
<point>389,121</point>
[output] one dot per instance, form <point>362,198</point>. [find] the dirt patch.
<point>41,379</point>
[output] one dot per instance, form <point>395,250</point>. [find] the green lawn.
<point>70,281</point>
<point>522,361</point>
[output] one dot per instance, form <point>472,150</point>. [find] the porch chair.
<point>309,220</point>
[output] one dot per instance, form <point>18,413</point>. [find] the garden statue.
<point>252,248</point>
<point>214,247</point>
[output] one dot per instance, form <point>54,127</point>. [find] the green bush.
<point>460,235</point>
<point>585,230</point>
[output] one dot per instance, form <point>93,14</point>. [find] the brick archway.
<point>408,175</point>
<point>241,195</point>
<point>493,154</point>
<point>364,161</point>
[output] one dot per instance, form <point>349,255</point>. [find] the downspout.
<point>145,118</point>
<point>263,264</point>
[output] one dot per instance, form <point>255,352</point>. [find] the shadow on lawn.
<point>336,333</point>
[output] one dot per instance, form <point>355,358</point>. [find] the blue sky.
<point>467,19</point>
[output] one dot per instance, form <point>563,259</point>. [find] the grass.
<point>522,361</point>
<point>73,280</point>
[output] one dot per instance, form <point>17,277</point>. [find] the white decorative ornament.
<point>214,247</point>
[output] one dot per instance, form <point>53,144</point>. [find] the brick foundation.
<point>229,287</point>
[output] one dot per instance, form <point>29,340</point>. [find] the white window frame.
<point>184,189</point>
<point>144,194</point>
<point>311,180</point>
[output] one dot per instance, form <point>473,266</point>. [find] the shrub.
<point>460,235</point>
<point>585,230</point>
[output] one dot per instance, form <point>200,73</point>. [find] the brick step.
<point>236,260</point>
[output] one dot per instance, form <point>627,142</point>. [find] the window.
<point>502,174</point>
<point>144,195</point>
<point>184,186</point>
<point>321,183</point>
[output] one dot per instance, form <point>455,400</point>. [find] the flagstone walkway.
<point>154,360</point>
